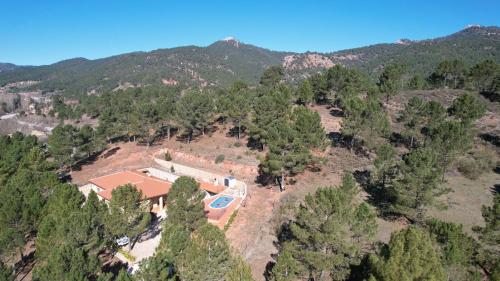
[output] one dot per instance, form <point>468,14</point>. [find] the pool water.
<point>221,202</point>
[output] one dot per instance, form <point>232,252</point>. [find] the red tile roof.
<point>150,187</point>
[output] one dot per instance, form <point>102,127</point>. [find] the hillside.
<point>7,67</point>
<point>220,63</point>
<point>226,61</point>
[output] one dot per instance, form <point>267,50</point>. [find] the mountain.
<point>7,67</point>
<point>471,45</point>
<point>220,63</point>
<point>228,60</point>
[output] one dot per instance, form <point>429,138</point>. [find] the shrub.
<point>479,162</point>
<point>172,169</point>
<point>168,157</point>
<point>237,144</point>
<point>219,159</point>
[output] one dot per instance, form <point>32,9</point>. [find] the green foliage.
<point>168,157</point>
<point>385,164</point>
<point>195,112</point>
<point>413,118</point>
<point>219,159</point>
<point>458,248</point>
<point>390,80</point>
<point>416,83</point>
<point>477,163</point>
<point>410,255</point>
<point>418,185</point>
<point>307,125</point>
<point>6,273</point>
<point>272,76</point>
<point>184,204</point>
<point>327,236</point>
<point>207,256</point>
<point>305,92</point>
<point>483,75</point>
<point>467,108</point>
<point>128,214</point>
<point>67,263</point>
<point>450,73</point>
<point>240,271</point>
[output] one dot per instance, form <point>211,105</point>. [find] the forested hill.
<point>229,60</point>
<point>7,67</point>
<point>470,45</point>
<point>218,64</point>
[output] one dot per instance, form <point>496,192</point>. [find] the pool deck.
<point>221,216</point>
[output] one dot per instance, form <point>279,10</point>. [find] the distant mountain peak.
<point>231,40</point>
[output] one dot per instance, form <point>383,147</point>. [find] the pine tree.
<point>327,236</point>
<point>410,255</point>
<point>418,184</point>
<point>305,93</point>
<point>467,109</point>
<point>307,124</point>
<point>390,80</point>
<point>207,256</point>
<point>128,214</point>
<point>184,204</point>
<point>195,112</point>
<point>239,271</point>
<point>483,75</point>
<point>385,164</point>
<point>413,117</point>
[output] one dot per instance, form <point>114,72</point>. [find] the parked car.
<point>122,241</point>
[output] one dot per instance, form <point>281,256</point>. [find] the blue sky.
<point>43,32</point>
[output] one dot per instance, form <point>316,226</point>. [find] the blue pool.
<point>221,202</point>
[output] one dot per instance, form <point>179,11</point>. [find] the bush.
<point>172,169</point>
<point>237,144</point>
<point>219,159</point>
<point>479,162</point>
<point>168,157</point>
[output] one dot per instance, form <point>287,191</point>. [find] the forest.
<point>329,236</point>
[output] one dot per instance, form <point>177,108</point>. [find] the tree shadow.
<point>491,96</point>
<point>491,138</point>
<point>335,112</point>
<point>339,140</point>
<point>379,196</point>
<point>233,132</point>
<point>495,189</point>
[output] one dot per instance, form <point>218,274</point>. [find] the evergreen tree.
<point>307,124</point>
<point>239,271</point>
<point>274,107</point>
<point>483,75</point>
<point>239,107</point>
<point>207,256</point>
<point>128,214</point>
<point>390,80</point>
<point>385,164</point>
<point>62,144</point>
<point>6,273</point>
<point>467,109</point>
<point>410,255</point>
<point>328,235</point>
<point>287,153</point>
<point>67,262</point>
<point>418,184</point>
<point>413,118</point>
<point>195,112</point>
<point>305,93</point>
<point>272,76</point>
<point>352,125</point>
<point>184,204</point>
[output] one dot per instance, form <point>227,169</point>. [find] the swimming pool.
<point>221,202</point>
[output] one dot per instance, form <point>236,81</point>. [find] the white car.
<point>122,241</point>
